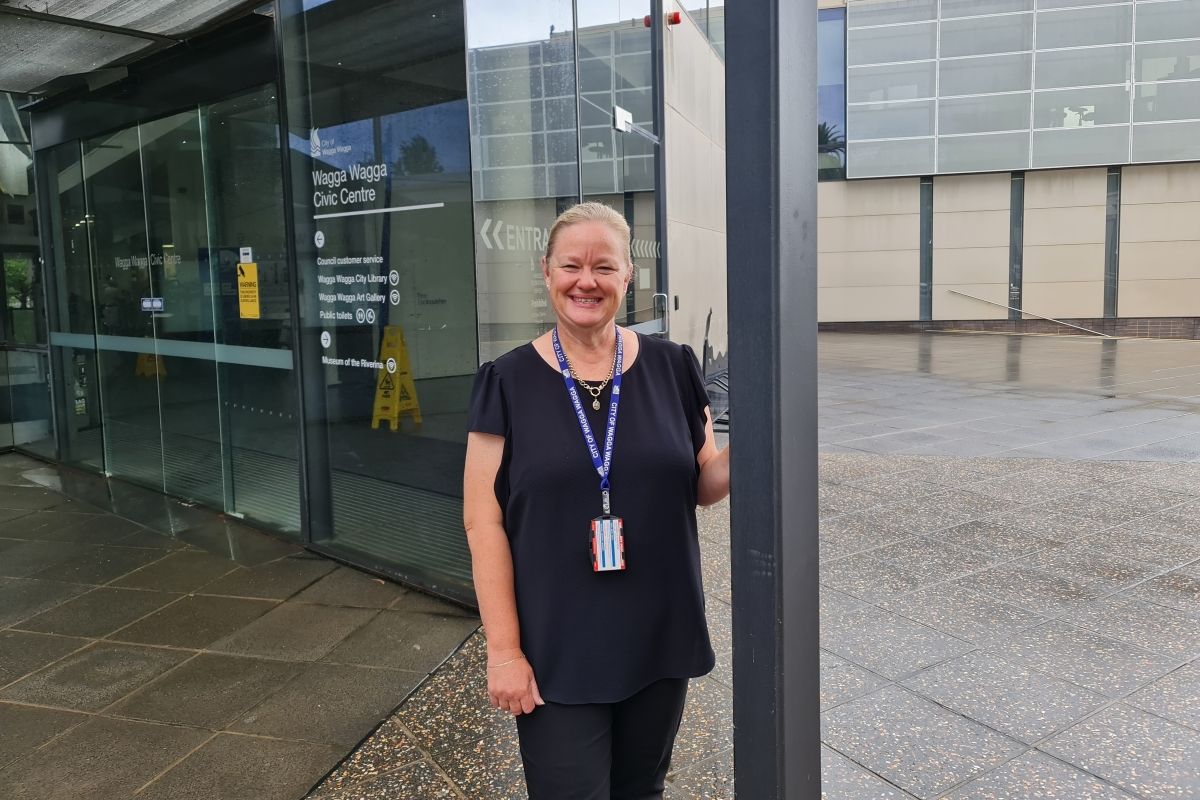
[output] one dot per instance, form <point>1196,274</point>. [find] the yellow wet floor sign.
<point>395,393</point>
<point>149,365</point>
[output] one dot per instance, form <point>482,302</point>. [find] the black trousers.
<point>603,751</point>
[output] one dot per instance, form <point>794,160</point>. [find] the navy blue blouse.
<point>601,637</point>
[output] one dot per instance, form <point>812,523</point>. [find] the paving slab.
<point>349,587</point>
<point>231,766</point>
<point>888,644</point>
<point>1008,697</point>
<point>330,704</point>
<point>709,779</point>
<point>1036,776</point>
<point>914,743</point>
<point>194,622</point>
<point>184,571</point>
<point>420,779</point>
<point>26,558</point>
<point>1085,658</point>
<point>488,768</point>
<point>1142,753</point>
<point>389,748</point>
<point>26,728</point>
<point>296,631</point>
<point>102,758</point>
<point>955,610</point>
<point>842,681</point>
<point>1179,590</point>
<point>403,640</point>
<point>1175,696</point>
<point>22,652</point>
<point>94,677</point>
<point>277,580</point>
<point>842,779</point>
<point>21,599</point>
<point>207,691</point>
<point>1149,626</point>
<point>99,612</point>
<point>98,565</point>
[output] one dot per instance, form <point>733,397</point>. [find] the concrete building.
<point>1009,156</point>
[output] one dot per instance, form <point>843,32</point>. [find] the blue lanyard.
<point>602,463</point>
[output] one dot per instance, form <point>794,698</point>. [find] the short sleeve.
<point>695,397</point>
<point>488,411</point>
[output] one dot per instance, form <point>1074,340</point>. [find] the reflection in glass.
<point>881,121</point>
<point>1004,112</point>
<point>515,207</point>
<point>912,81</point>
<point>887,12</point>
<point>71,313</point>
<point>28,395</point>
<point>1177,19</point>
<point>1081,108</point>
<point>177,234</point>
<point>1169,61</point>
<point>1161,102</point>
<point>997,151</point>
<point>884,45</point>
<point>1009,33</point>
<point>381,159</point>
<point>831,93</point>
<point>1007,73</point>
<point>898,157</point>
<point>1174,141</point>
<point>255,379</point>
<point>1085,26</point>
<point>1081,146</point>
<point>1090,66</point>
<point>127,367</point>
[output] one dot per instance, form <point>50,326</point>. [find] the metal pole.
<point>772,223</point>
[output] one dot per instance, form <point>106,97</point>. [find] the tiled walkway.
<point>1010,589</point>
<point>138,664</point>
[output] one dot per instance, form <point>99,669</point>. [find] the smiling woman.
<point>585,553</point>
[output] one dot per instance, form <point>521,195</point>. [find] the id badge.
<point>608,544</point>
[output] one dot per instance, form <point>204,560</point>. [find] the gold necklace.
<point>594,391</point>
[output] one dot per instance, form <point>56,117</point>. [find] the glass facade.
<point>274,301</point>
<point>164,378</point>
<point>831,93</point>
<point>945,86</point>
<point>24,398</point>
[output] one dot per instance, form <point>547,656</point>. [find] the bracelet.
<point>506,663</point>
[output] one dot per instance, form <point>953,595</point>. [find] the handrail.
<point>1030,313</point>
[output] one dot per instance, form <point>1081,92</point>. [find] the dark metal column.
<point>771,125</point>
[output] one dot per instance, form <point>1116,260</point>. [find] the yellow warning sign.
<point>149,366</point>
<point>395,393</point>
<point>248,307</point>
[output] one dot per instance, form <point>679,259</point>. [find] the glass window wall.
<point>381,181</point>
<point>166,378</point>
<point>831,93</point>
<point>1080,74</point>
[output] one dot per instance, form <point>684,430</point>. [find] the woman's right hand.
<point>511,685</point>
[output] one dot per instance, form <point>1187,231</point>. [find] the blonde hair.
<point>591,212</point>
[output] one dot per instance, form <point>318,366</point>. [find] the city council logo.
<point>314,143</point>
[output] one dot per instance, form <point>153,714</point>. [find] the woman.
<point>583,532</point>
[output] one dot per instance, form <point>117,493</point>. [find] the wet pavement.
<point>1010,593</point>
<point>189,656</point>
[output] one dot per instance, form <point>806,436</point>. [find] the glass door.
<point>182,315</point>
<point>123,287</point>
